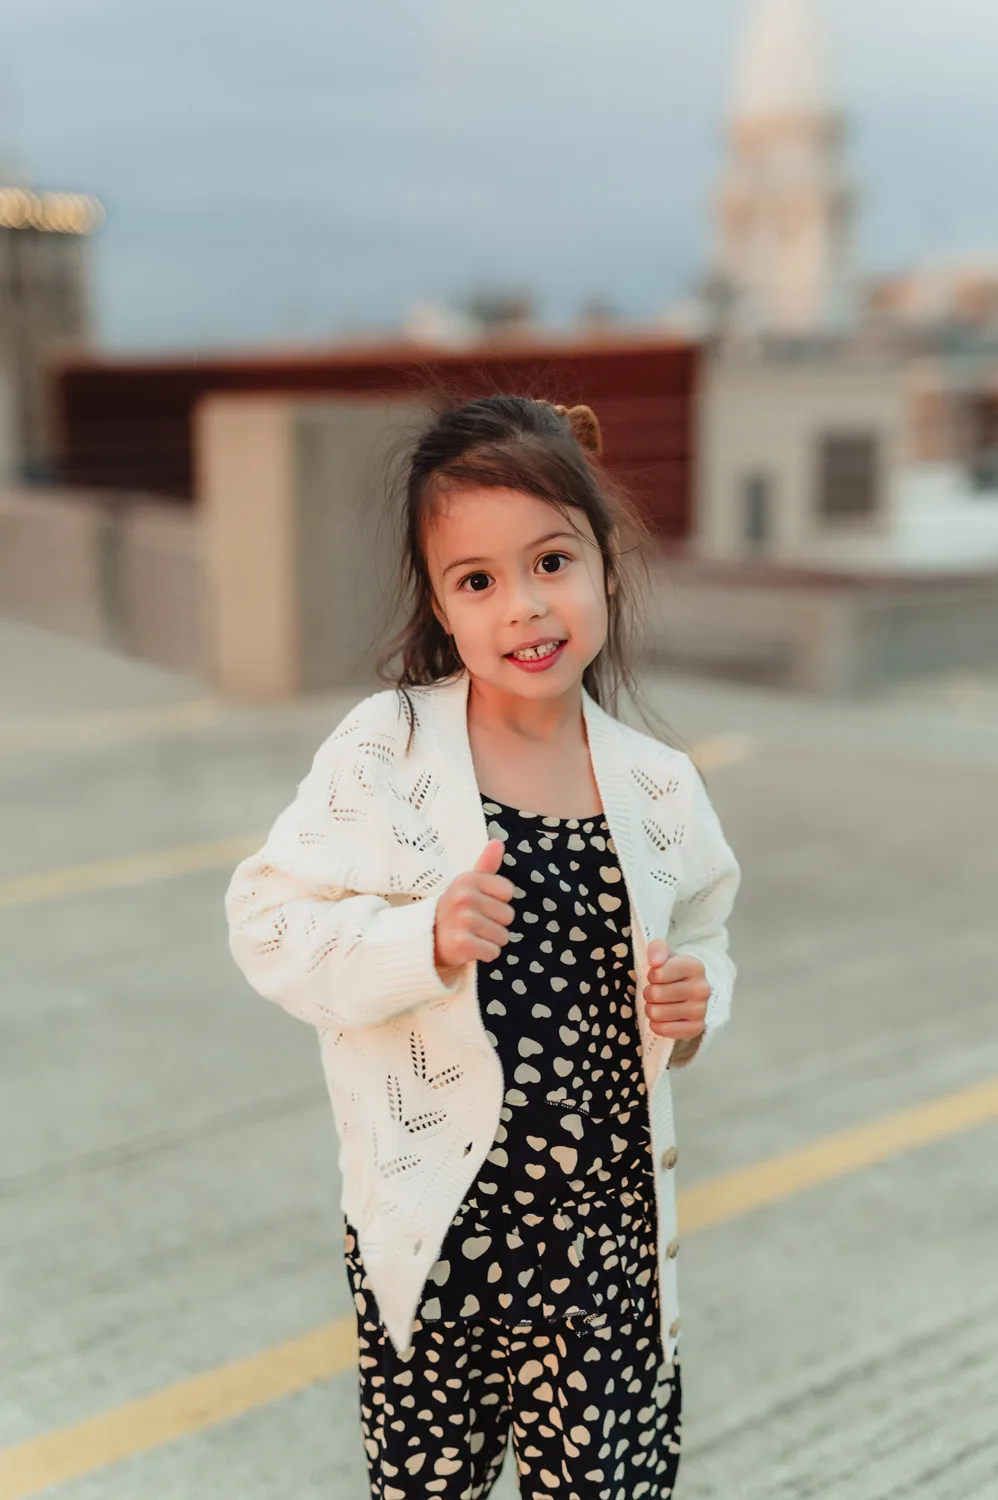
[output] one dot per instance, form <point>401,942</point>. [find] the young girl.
<point>504,912</point>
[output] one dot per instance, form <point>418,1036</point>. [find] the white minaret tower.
<point>785,209</point>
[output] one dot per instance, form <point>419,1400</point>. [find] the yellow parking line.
<point>190,1406</point>
<point>108,726</point>
<point>792,1172</point>
<point>723,750</point>
<point>218,1395</point>
<point>214,854</point>
<point>127,870</point>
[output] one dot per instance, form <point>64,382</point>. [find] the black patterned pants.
<point>593,1412</point>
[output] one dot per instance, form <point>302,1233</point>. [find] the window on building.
<point>848,474</point>
<point>978,438</point>
<point>756,511</point>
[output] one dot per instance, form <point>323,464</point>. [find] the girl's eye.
<point>477,581</point>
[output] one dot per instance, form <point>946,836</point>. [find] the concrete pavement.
<point>167,1164</point>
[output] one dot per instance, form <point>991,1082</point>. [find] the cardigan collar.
<point>467,833</point>
<point>461,819</point>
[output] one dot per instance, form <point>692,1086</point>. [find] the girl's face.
<point>510,571</point>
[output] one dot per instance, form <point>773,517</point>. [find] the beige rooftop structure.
<point>785,207</point>
<point>801,459</point>
<point>784,67</point>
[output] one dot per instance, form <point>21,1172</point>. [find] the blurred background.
<point>243,248</point>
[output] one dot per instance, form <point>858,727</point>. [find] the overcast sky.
<point>279,167</point>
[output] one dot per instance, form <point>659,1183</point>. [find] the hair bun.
<point>585,427</point>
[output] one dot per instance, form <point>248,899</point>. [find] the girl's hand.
<point>676,994</point>
<point>474,912</point>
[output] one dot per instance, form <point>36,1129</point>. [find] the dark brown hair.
<point>513,442</point>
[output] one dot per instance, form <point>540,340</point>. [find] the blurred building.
<point>859,463</point>
<point>945,303</point>
<point>845,423</point>
<point>817,457</point>
<point>783,273</point>
<point>128,425</point>
<point>45,315</point>
<point>785,209</point>
<point>493,315</point>
<point>224,515</point>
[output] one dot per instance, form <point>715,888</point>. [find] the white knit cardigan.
<point>333,919</point>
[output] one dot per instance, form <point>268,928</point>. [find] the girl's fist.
<point>474,912</point>
<point>676,994</point>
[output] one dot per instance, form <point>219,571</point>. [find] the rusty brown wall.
<point>128,426</point>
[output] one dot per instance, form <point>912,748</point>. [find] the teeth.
<point>535,653</point>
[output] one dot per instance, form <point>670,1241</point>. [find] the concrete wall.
<point>298,544</point>
<point>950,627</point>
<point>766,416</point>
<point>244,470</point>
<point>51,553</point>
<point>10,451</point>
<point>820,633</point>
<point>161,588</point>
<point>279,582</point>
<point>126,575</point>
<point>282,580</point>
<point>348,533</point>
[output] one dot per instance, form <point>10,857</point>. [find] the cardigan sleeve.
<point>710,881</point>
<point>303,937</point>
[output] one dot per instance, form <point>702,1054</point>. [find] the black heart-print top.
<point>560,1222</point>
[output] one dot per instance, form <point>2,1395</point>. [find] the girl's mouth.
<point>537,658</point>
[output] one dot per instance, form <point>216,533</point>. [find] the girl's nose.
<point>524,602</point>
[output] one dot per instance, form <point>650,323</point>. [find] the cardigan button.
<point>669,1159</point>
<point>672,1249</point>
<point>673,1328</point>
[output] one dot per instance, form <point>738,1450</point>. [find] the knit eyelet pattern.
<point>560,1222</point>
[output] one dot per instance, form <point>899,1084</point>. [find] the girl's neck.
<point>537,721</point>
<point>533,755</point>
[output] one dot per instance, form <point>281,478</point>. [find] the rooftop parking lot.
<point>168,1187</point>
